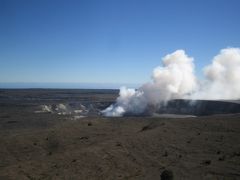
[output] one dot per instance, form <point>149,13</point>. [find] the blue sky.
<point>109,41</point>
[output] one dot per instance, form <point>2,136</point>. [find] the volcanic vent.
<point>175,80</point>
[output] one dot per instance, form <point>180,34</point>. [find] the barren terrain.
<point>57,146</point>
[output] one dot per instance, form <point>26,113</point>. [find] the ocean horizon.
<point>49,85</point>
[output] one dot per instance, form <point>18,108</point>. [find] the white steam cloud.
<point>175,79</point>
<point>222,77</point>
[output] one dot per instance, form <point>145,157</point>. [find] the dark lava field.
<point>61,134</point>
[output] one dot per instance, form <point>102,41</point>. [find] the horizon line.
<point>64,85</point>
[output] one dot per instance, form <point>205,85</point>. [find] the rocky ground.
<point>56,146</point>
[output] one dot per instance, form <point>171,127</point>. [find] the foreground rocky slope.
<point>124,148</point>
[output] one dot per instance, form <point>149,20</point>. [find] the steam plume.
<point>222,77</point>
<point>175,79</point>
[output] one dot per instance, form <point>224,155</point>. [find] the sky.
<point>116,42</point>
